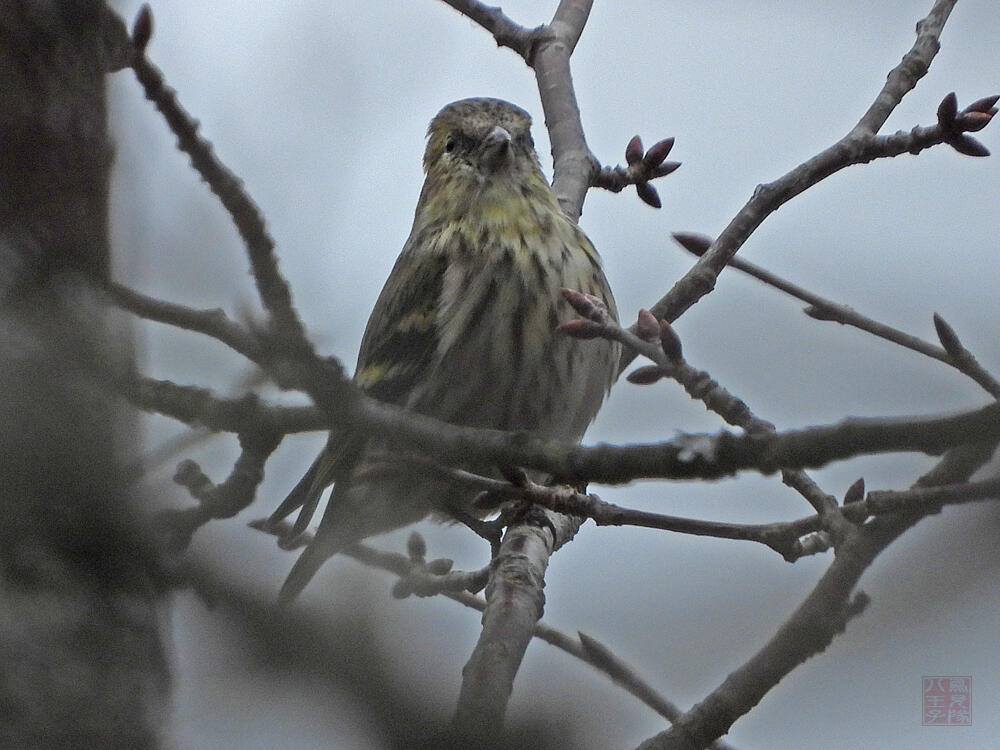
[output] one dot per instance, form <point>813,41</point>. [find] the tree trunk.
<point>81,662</point>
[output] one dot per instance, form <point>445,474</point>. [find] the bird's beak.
<point>496,148</point>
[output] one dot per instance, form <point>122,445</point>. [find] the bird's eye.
<point>450,144</point>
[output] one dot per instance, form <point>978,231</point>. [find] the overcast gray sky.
<point>321,107</point>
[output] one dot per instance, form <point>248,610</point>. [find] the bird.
<point>464,331</point>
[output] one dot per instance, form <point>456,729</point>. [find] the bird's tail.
<point>335,532</point>
<point>309,562</point>
<point>304,495</point>
<point>335,462</point>
<point>359,507</point>
<point>333,466</point>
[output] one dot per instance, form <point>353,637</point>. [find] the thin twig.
<point>700,385</point>
<point>858,146</point>
<point>821,308</point>
<point>167,452</point>
<point>271,286</point>
<point>214,323</point>
<point>200,407</point>
<point>781,536</point>
<point>218,501</point>
<point>506,32</point>
<point>600,656</point>
<point>616,179</point>
<point>914,66</point>
<point>962,359</point>
<point>568,501</point>
<point>573,163</point>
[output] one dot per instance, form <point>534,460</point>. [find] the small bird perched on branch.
<point>464,329</point>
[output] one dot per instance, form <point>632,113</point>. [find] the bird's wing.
<point>396,352</point>
<point>401,339</point>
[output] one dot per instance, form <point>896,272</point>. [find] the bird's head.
<point>482,141</point>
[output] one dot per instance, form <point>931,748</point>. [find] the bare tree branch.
<point>822,615</point>
<point>684,457</point>
<point>810,629</point>
<point>573,163</point>
<point>914,65</point>
<point>514,604</point>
